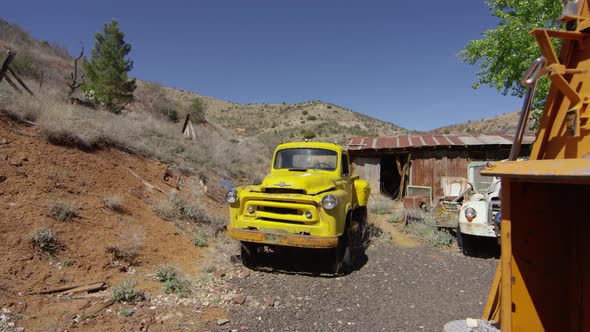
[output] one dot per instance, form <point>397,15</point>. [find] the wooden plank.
<point>20,81</point>
<point>8,59</point>
<point>59,289</point>
<point>14,86</point>
<point>86,288</point>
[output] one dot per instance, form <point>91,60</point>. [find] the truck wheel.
<point>342,255</point>
<point>248,253</point>
<point>459,238</point>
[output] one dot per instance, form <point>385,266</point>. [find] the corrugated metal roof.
<point>419,141</point>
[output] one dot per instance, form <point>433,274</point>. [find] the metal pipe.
<point>531,77</point>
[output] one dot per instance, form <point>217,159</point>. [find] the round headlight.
<point>250,209</point>
<point>470,214</point>
<point>231,196</point>
<point>329,202</point>
<point>308,214</point>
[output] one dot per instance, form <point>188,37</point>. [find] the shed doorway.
<point>391,176</point>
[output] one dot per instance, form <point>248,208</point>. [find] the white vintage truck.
<point>477,217</point>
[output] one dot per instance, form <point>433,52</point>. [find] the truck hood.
<point>309,183</point>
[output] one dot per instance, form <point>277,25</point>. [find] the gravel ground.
<point>398,289</point>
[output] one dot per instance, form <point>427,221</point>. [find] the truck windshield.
<point>304,159</point>
<point>480,182</point>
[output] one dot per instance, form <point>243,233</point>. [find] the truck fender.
<point>362,191</point>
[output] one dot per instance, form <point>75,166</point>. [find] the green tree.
<point>505,53</point>
<point>106,72</point>
<point>197,110</point>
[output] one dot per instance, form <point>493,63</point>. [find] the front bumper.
<point>477,229</point>
<point>291,240</point>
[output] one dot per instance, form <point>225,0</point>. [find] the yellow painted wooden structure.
<point>543,279</point>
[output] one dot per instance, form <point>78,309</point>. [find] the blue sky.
<point>392,60</point>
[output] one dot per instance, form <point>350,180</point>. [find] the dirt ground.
<point>402,286</point>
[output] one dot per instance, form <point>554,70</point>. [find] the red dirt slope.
<point>33,176</point>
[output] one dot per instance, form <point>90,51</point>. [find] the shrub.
<point>197,110</point>
<point>61,211</point>
<point>425,229</point>
<point>45,240</point>
<point>25,65</point>
<point>380,205</point>
<point>125,292</point>
<point>173,283</point>
<point>126,253</point>
<point>304,112</point>
<point>180,287</point>
<point>126,312</point>
<point>200,240</point>
<point>166,273</point>
<point>308,134</point>
<point>312,118</point>
<point>114,202</point>
<point>170,114</point>
<point>69,261</point>
<point>175,208</point>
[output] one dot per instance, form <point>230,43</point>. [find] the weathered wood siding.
<point>369,169</point>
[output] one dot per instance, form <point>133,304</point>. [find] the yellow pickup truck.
<point>308,200</point>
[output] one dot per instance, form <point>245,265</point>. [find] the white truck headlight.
<point>329,202</point>
<point>231,196</point>
<point>470,214</point>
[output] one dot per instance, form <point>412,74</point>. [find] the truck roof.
<point>318,145</point>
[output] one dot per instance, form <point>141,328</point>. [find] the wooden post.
<point>9,57</point>
<point>188,117</point>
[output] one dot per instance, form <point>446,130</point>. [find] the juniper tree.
<point>106,72</point>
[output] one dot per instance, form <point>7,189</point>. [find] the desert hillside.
<point>504,124</point>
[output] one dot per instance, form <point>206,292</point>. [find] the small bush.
<point>166,273</point>
<point>380,205</point>
<point>126,312</point>
<point>69,261</point>
<point>308,134</point>
<point>312,118</point>
<point>197,110</point>
<point>126,253</point>
<point>45,240</point>
<point>173,283</point>
<point>304,112</point>
<point>200,240</point>
<point>125,292</point>
<point>180,287</point>
<point>114,202</point>
<point>61,211</point>
<point>170,114</point>
<point>425,229</point>
<point>176,208</point>
<point>25,65</point>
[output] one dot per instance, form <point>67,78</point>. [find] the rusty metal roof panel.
<point>418,141</point>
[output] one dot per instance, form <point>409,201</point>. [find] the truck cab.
<point>309,199</point>
<point>478,212</point>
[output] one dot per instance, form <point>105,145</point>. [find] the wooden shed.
<point>390,164</point>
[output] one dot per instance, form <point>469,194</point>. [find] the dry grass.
<point>139,133</point>
<point>129,245</point>
<point>379,204</point>
<point>114,202</point>
<point>62,211</point>
<point>45,240</point>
